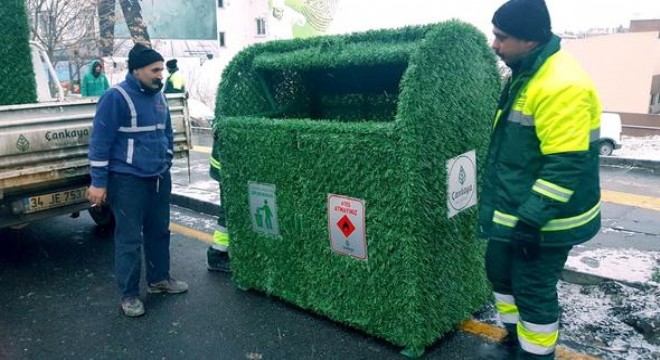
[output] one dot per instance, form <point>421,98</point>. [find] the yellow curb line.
<point>195,234</point>
<point>201,149</point>
<point>496,333</point>
<point>634,200</point>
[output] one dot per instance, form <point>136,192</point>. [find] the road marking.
<point>496,333</point>
<point>201,149</point>
<point>195,234</point>
<point>634,200</point>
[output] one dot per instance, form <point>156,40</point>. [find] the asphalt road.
<point>59,301</point>
<point>624,226</point>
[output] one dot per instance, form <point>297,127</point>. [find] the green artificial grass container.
<point>336,155</point>
<point>18,86</point>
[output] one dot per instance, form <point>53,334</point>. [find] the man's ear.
<point>531,45</point>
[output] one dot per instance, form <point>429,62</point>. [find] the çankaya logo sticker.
<point>461,183</point>
<point>22,144</point>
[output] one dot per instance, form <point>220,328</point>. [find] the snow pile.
<point>609,320</point>
<point>204,190</point>
<point>205,224</point>
<point>620,321</point>
<point>645,148</point>
<point>618,264</point>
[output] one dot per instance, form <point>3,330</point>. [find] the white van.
<point>610,133</point>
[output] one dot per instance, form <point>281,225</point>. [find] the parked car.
<point>201,116</point>
<point>610,133</point>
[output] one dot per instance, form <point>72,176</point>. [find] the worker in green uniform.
<point>541,191</point>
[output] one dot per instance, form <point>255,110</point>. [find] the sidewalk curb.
<point>582,278</point>
<point>179,199</point>
<point>651,165</point>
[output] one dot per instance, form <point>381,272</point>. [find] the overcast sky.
<point>572,15</point>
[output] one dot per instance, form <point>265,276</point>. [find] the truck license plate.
<point>53,200</point>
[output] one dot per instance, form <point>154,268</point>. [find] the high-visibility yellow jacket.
<point>543,160</point>
<point>175,83</point>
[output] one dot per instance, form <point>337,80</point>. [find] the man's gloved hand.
<point>527,240</point>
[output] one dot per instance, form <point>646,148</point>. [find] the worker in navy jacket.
<point>131,151</point>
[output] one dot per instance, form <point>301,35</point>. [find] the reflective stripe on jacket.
<point>131,134</point>
<point>543,157</point>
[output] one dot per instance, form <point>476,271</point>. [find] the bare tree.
<point>65,28</point>
<point>198,88</point>
<point>69,27</point>
<point>132,12</point>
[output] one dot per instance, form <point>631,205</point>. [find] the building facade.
<point>625,68</point>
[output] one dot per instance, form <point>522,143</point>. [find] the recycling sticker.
<point>263,208</point>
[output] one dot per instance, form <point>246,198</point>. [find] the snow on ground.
<point>197,193</point>
<point>608,317</point>
<point>618,264</point>
<point>646,148</point>
<point>206,224</point>
<point>204,190</point>
<point>609,320</point>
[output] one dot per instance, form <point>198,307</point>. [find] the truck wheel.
<point>606,147</point>
<point>102,216</point>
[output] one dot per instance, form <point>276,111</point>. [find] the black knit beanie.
<point>172,64</point>
<point>524,19</point>
<point>141,56</point>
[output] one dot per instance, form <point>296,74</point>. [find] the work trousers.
<point>141,207</point>
<point>526,294</point>
<point>220,236</point>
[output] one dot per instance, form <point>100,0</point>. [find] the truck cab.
<point>610,133</point>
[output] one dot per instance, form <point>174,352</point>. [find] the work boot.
<point>169,286</point>
<point>132,307</point>
<point>511,338</point>
<point>523,355</point>
<point>495,351</point>
<point>217,260</point>
<point>507,348</point>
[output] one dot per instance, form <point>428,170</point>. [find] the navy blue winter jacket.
<point>132,133</point>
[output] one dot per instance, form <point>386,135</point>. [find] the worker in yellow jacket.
<point>175,82</point>
<point>541,191</point>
